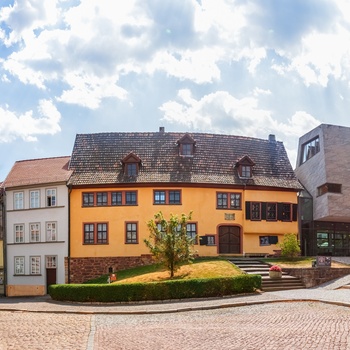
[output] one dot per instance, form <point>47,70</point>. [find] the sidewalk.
<point>327,293</point>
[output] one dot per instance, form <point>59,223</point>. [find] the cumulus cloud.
<point>27,126</point>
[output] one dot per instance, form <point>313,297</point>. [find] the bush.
<point>290,247</point>
<point>172,289</point>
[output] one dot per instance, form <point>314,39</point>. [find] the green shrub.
<point>172,289</point>
<point>290,247</point>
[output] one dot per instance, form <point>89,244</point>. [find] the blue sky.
<point>242,67</point>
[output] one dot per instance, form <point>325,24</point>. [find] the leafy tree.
<point>169,242</point>
<point>290,247</point>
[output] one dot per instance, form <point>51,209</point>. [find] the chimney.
<point>161,129</point>
<point>272,138</point>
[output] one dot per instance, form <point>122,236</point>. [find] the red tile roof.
<point>96,159</point>
<point>38,171</point>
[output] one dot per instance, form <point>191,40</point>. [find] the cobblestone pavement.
<point>314,318</point>
<point>282,325</point>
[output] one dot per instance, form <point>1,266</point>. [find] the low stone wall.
<point>315,276</point>
<point>84,269</point>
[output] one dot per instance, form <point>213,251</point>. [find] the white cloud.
<point>27,126</point>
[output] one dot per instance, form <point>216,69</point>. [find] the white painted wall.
<point>42,215</point>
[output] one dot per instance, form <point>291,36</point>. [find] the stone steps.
<point>253,266</point>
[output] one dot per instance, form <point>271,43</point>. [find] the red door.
<point>229,240</point>
<point>50,277</point>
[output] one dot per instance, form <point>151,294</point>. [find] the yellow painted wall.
<point>202,201</point>
<point>25,290</point>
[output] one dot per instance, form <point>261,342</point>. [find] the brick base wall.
<point>84,269</point>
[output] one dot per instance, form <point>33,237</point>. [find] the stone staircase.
<point>257,267</point>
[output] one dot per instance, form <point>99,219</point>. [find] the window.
<point>256,211</point>
<point>186,149</point>
<point>264,240</point>
<point>51,261</point>
<point>51,197</point>
<point>130,198</point>
<point>211,240</point>
<point>18,200</point>
<point>131,169</point>
<point>101,198</point>
<point>286,212</point>
<point>246,171</point>
<point>19,265</point>
<point>271,211</point>
<point>328,187</point>
<point>96,233</point>
<point>228,200</point>
<point>174,197</point>
<point>167,197</point>
<point>117,198</point>
<point>309,149</point>
<point>131,233</point>
<point>51,231</point>
<point>191,229</point>
<point>101,233</point>
<point>89,233</point>
<point>34,232</point>
<point>88,199</point>
<point>19,233</point>
<point>159,197</point>
<point>35,265</point>
<point>34,199</point>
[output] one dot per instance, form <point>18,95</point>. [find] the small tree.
<point>169,242</point>
<point>290,247</point>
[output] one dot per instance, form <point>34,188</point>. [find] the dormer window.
<point>245,166</point>
<point>131,164</point>
<point>246,171</point>
<point>186,146</point>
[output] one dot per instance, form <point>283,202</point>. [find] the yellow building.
<point>242,192</point>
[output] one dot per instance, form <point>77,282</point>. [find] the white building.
<point>37,220</point>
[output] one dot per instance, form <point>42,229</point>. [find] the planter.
<point>275,274</point>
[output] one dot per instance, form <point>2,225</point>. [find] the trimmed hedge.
<point>173,289</point>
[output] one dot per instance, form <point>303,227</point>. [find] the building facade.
<point>323,168</point>
<point>36,209</point>
<point>242,192</point>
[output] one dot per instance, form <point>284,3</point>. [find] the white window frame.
<point>34,199</point>
<point>34,232</point>
<point>51,197</point>
<point>51,261</point>
<point>51,231</point>
<point>35,262</point>
<point>19,233</point>
<point>19,265</point>
<point>18,200</point>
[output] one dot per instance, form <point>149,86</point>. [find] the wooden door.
<point>229,240</point>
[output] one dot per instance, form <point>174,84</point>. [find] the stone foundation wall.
<point>315,276</point>
<point>83,269</point>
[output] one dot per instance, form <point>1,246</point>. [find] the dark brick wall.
<point>83,269</point>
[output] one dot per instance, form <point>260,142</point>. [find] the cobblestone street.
<point>281,325</point>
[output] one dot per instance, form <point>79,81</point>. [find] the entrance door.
<point>229,240</point>
<point>50,271</point>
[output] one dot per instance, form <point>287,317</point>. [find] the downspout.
<point>69,246</point>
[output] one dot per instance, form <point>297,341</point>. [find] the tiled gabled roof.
<point>96,159</point>
<point>38,171</point>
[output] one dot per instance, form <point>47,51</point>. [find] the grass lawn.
<point>201,268</point>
